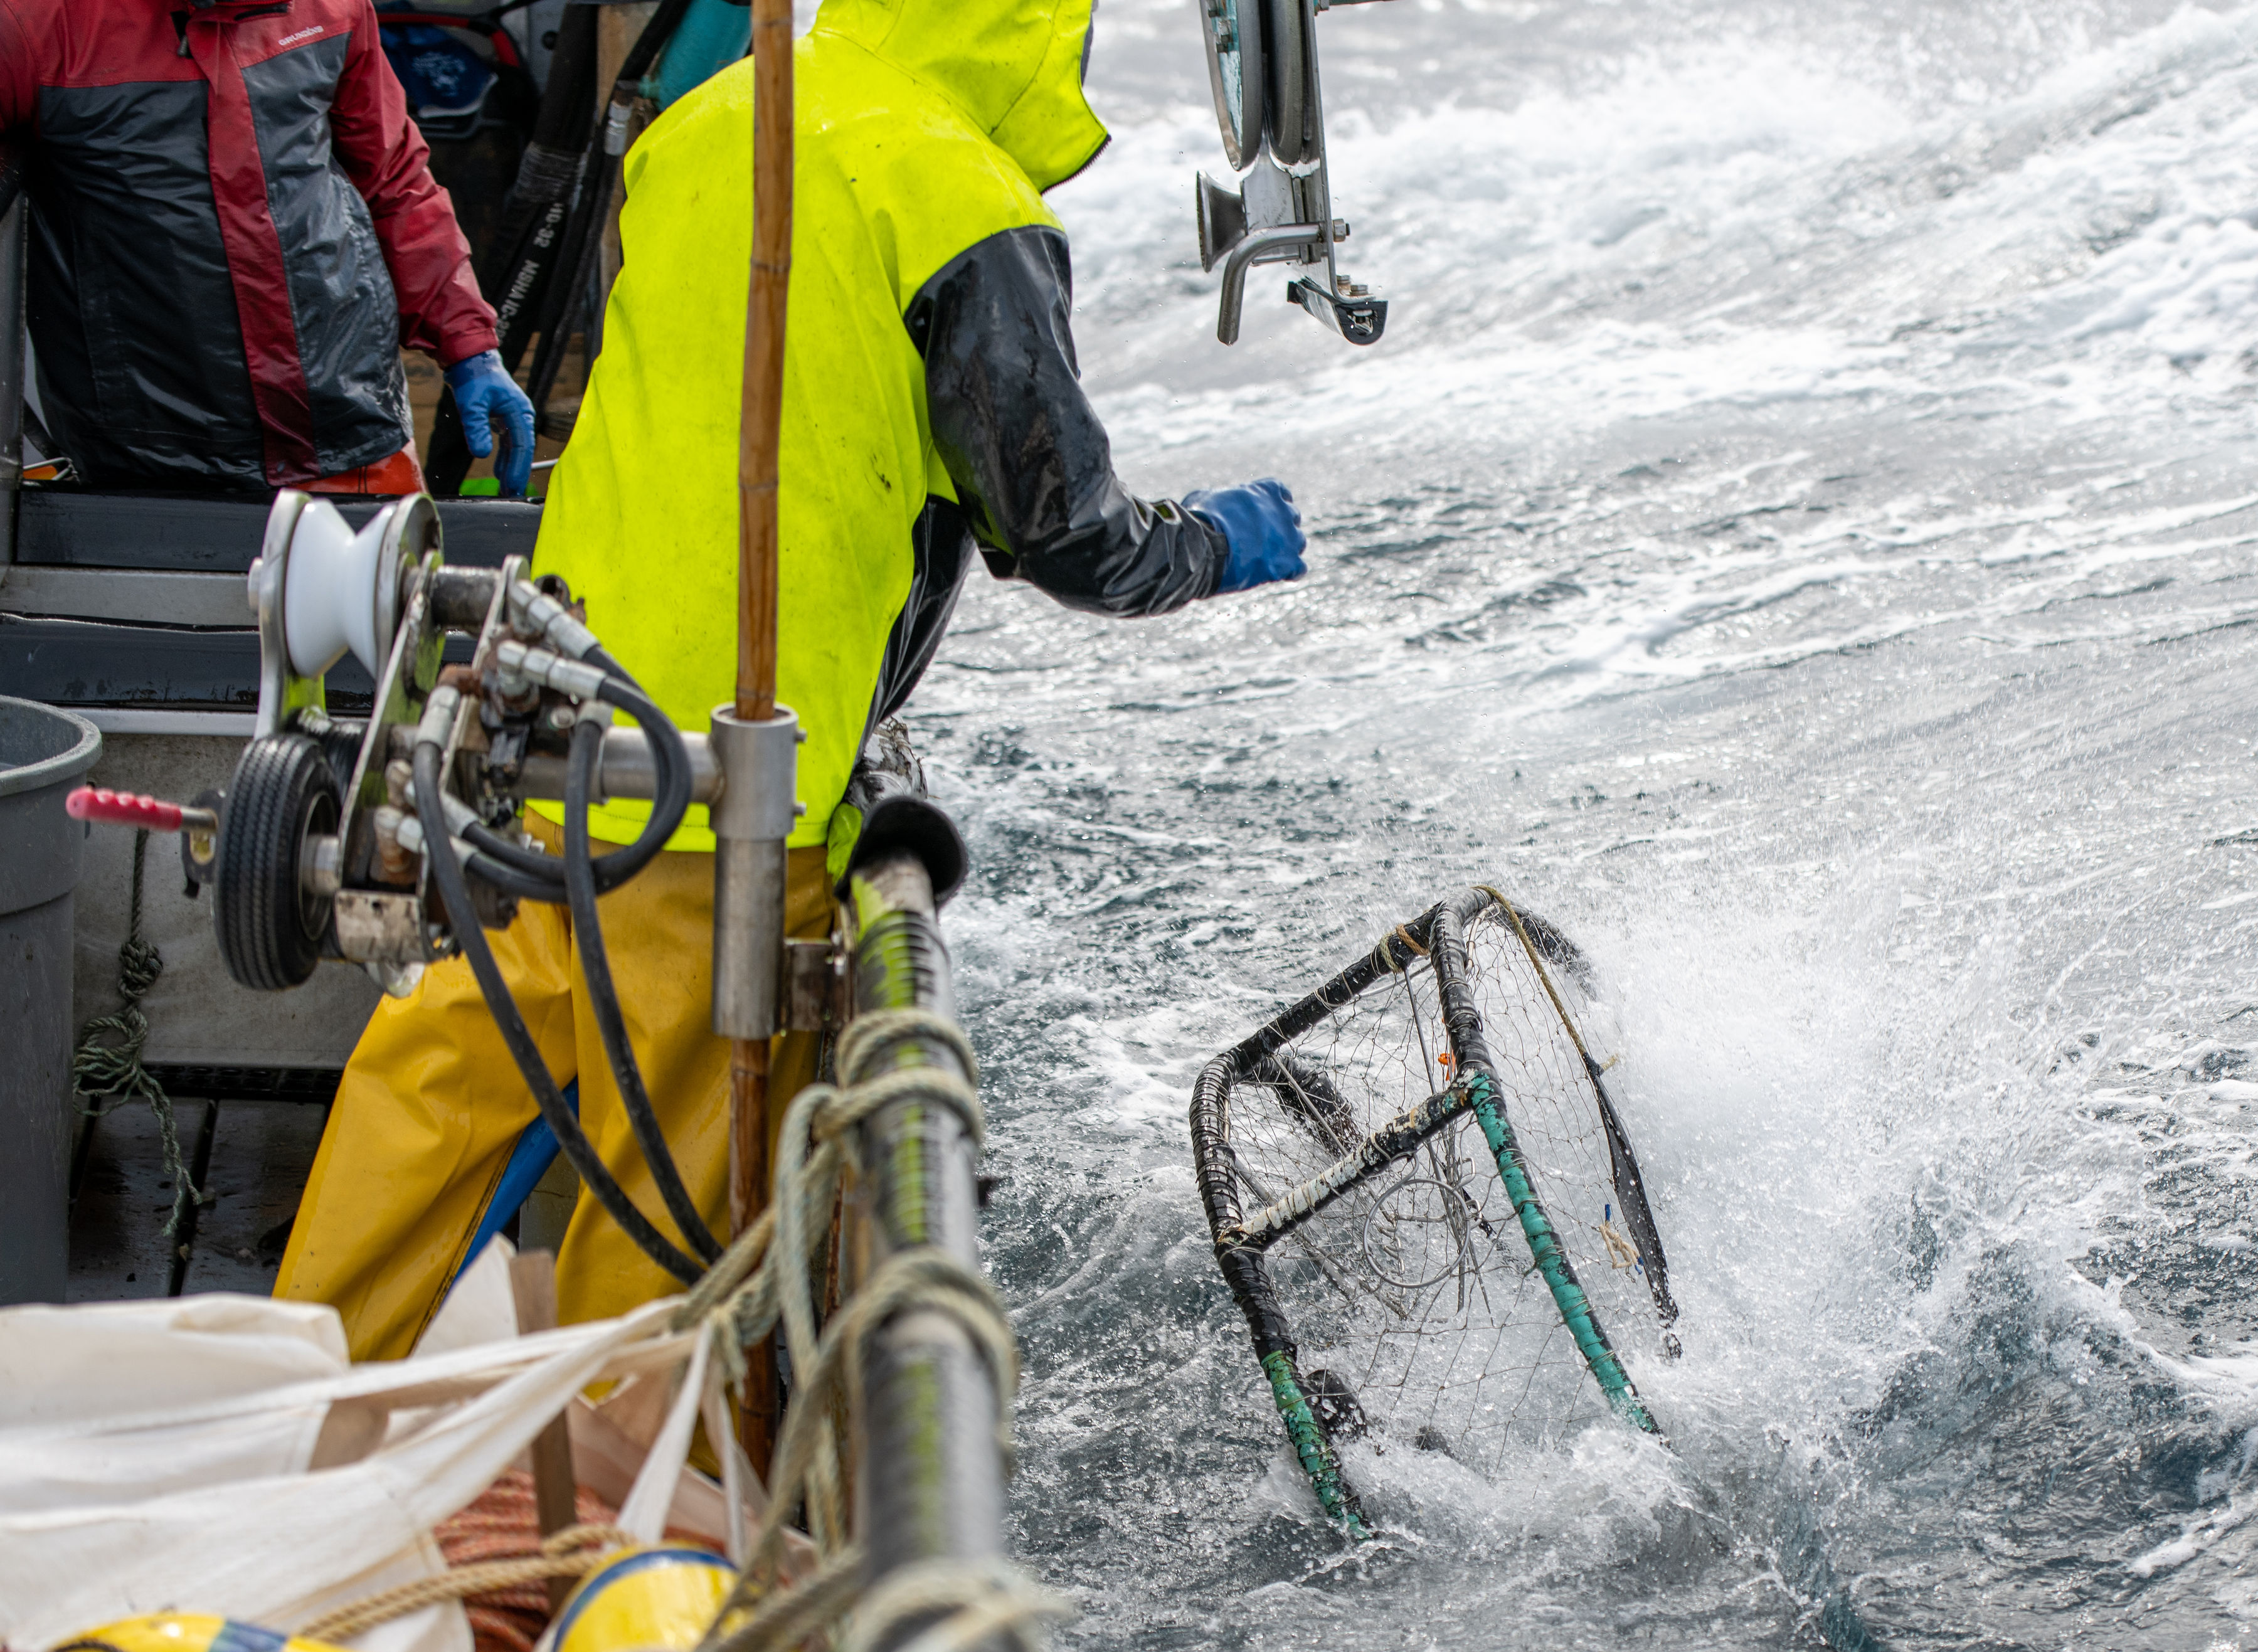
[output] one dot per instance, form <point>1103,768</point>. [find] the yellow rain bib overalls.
<point>931,406</point>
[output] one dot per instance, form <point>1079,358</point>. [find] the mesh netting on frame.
<point>1425,1201</point>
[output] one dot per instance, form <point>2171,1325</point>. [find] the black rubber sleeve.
<point>1033,467</point>
<point>603,995</point>
<point>454,895</point>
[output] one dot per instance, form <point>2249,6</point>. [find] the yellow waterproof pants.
<point>431,1105</point>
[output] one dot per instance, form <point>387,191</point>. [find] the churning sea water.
<point>1798,532</point>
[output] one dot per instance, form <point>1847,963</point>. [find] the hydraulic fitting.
<point>539,614</point>
<point>439,716</point>
<point>521,664</point>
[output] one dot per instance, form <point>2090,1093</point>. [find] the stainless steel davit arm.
<point>1270,106</point>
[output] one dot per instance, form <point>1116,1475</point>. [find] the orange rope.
<point>502,1524</point>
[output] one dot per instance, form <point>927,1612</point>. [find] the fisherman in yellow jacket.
<point>932,404</point>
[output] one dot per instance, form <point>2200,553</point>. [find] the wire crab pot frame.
<point>1350,1207</point>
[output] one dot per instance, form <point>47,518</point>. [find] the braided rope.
<point>975,1604</point>
<point>925,1277</point>
<point>100,1068</point>
<point>877,1030</point>
<point>573,1552</point>
<point>788,1616</point>
<point>764,1279</point>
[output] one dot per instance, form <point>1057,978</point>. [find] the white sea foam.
<point>1798,532</point>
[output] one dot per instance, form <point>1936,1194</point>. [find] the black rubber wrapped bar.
<point>1394,1140</point>
<point>1639,1216</point>
<point>931,1485</point>
<point>1247,1273</point>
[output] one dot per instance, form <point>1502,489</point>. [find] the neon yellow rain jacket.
<point>930,393</point>
<point>930,404</point>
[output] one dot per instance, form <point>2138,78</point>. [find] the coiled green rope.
<point>102,1069</point>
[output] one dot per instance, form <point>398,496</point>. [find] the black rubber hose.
<point>655,33</point>
<point>454,895</point>
<point>600,176</point>
<point>506,878</point>
<point>562,311</point>
<point>521,265</point>
<point>603,995</point>
<point>670,759</point>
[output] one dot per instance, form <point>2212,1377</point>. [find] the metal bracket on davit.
<point>1262,69</point>
<point>1321,1150</point>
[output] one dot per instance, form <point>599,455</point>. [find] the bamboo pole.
<point>760,432</point>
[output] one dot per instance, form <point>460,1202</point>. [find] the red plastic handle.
<point>124,808</point>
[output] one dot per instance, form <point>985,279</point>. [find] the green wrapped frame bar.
<point>1241,1242</point>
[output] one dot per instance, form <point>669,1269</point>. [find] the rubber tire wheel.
<point>270,929</point>
<point>1285,68</point>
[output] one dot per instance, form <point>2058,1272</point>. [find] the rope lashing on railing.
<point>765,1278</point>
<point>978,1602</point>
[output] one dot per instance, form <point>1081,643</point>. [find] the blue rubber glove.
<point>484,393</point>
<point>1262,527</point>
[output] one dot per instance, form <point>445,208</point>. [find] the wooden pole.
<point>762,426</point>
<point>556,1494</point>
<point>760,433</point>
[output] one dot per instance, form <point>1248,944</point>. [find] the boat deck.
<point>249,1139</point>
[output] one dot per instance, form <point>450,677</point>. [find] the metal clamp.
<point>752,818</point>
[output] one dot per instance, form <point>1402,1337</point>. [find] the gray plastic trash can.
<point>43,754</point>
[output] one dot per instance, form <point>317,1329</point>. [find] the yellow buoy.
<point>661,1598</point>
<point>186,1631</point>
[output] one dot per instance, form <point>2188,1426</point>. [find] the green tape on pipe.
<point>1313,1448</point>
<point>1553,1261</point>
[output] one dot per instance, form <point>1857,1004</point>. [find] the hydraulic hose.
<point>671,759</point>
<point>455,895</point>
<point>519,268</point>
<point>599,176</point>
<point>506,878</point>
<point>604,998</point>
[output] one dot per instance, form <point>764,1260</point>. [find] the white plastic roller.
<point>340,590</point>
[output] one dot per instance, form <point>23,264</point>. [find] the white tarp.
<point>218,1453</point>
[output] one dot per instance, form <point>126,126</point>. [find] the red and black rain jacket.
<point>234,230</point>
